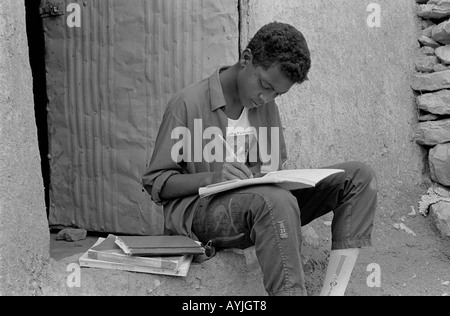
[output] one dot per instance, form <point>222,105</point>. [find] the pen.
<point>231,151</point>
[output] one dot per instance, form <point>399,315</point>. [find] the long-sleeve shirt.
<point>189,113</point>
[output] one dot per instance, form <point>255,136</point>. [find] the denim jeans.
<point>270,218</point>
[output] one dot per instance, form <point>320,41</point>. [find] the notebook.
<point>159,245</point>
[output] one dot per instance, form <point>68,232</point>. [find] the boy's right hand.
<point>232,171</point>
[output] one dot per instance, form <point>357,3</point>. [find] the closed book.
<point>108,250</point>
<point>87,262</point>
<point>159,245</point>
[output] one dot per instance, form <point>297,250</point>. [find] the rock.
<point>428,117</point>
<point>309,236</point>
<point>426,63</point>
<point>433,133</point>
<point>431,82</point>
<point>443,53</point>
<point>226,274</point>
<point>71,234</point>
<point>436,193</point>
<point>437,10</point>
<point>441,33</point>
<point>427,51</point>
<point>248,253</point>
<point>441,190</point>
<point>435,103</point>
<point>413,212</point>
<point>439,159</point>
<point>250,256</point>
<point>439,67</point>
<point>223,275</point>
<point>424,24</point>
<point>427,41</point>
<point>407,229</point>
<point>428,32</point>
<point>440,214</point>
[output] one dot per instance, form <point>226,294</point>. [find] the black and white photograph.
<point>223,153</point>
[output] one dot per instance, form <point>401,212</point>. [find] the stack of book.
<point>168,255</point>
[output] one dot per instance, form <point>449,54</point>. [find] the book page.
<point>290,179</point>
<point>303,175</point>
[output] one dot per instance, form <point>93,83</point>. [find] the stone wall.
<point>432,84</point>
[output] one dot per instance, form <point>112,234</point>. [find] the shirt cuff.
<point>159,184</point>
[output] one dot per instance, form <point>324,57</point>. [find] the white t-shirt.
<point>241,137</point>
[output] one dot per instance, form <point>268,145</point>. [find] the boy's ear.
<point>246,57</point>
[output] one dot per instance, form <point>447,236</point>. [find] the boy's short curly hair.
<point>284,45</point>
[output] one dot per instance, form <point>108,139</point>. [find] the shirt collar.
<point>217,97</point>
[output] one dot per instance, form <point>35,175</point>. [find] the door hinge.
<point>52,9</point>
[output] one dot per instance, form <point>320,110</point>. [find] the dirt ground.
<point>414,262</point>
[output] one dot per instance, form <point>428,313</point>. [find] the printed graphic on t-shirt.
<point>240,137</point>
<point>240,140</point>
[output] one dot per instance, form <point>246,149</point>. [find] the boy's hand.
<point>232,171</point>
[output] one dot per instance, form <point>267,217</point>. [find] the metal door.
<point>111,67</point>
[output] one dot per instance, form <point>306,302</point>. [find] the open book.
<point>289,179</point>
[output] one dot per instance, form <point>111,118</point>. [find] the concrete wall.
<point>358,103</point>
<point>24,236</point>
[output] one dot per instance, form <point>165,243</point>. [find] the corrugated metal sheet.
<point>108,84</point>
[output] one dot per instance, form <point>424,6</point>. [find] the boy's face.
<point>257,86</point>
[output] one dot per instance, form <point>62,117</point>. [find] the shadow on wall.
<point>36,46</point>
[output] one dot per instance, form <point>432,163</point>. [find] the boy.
<point>237,102</point>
